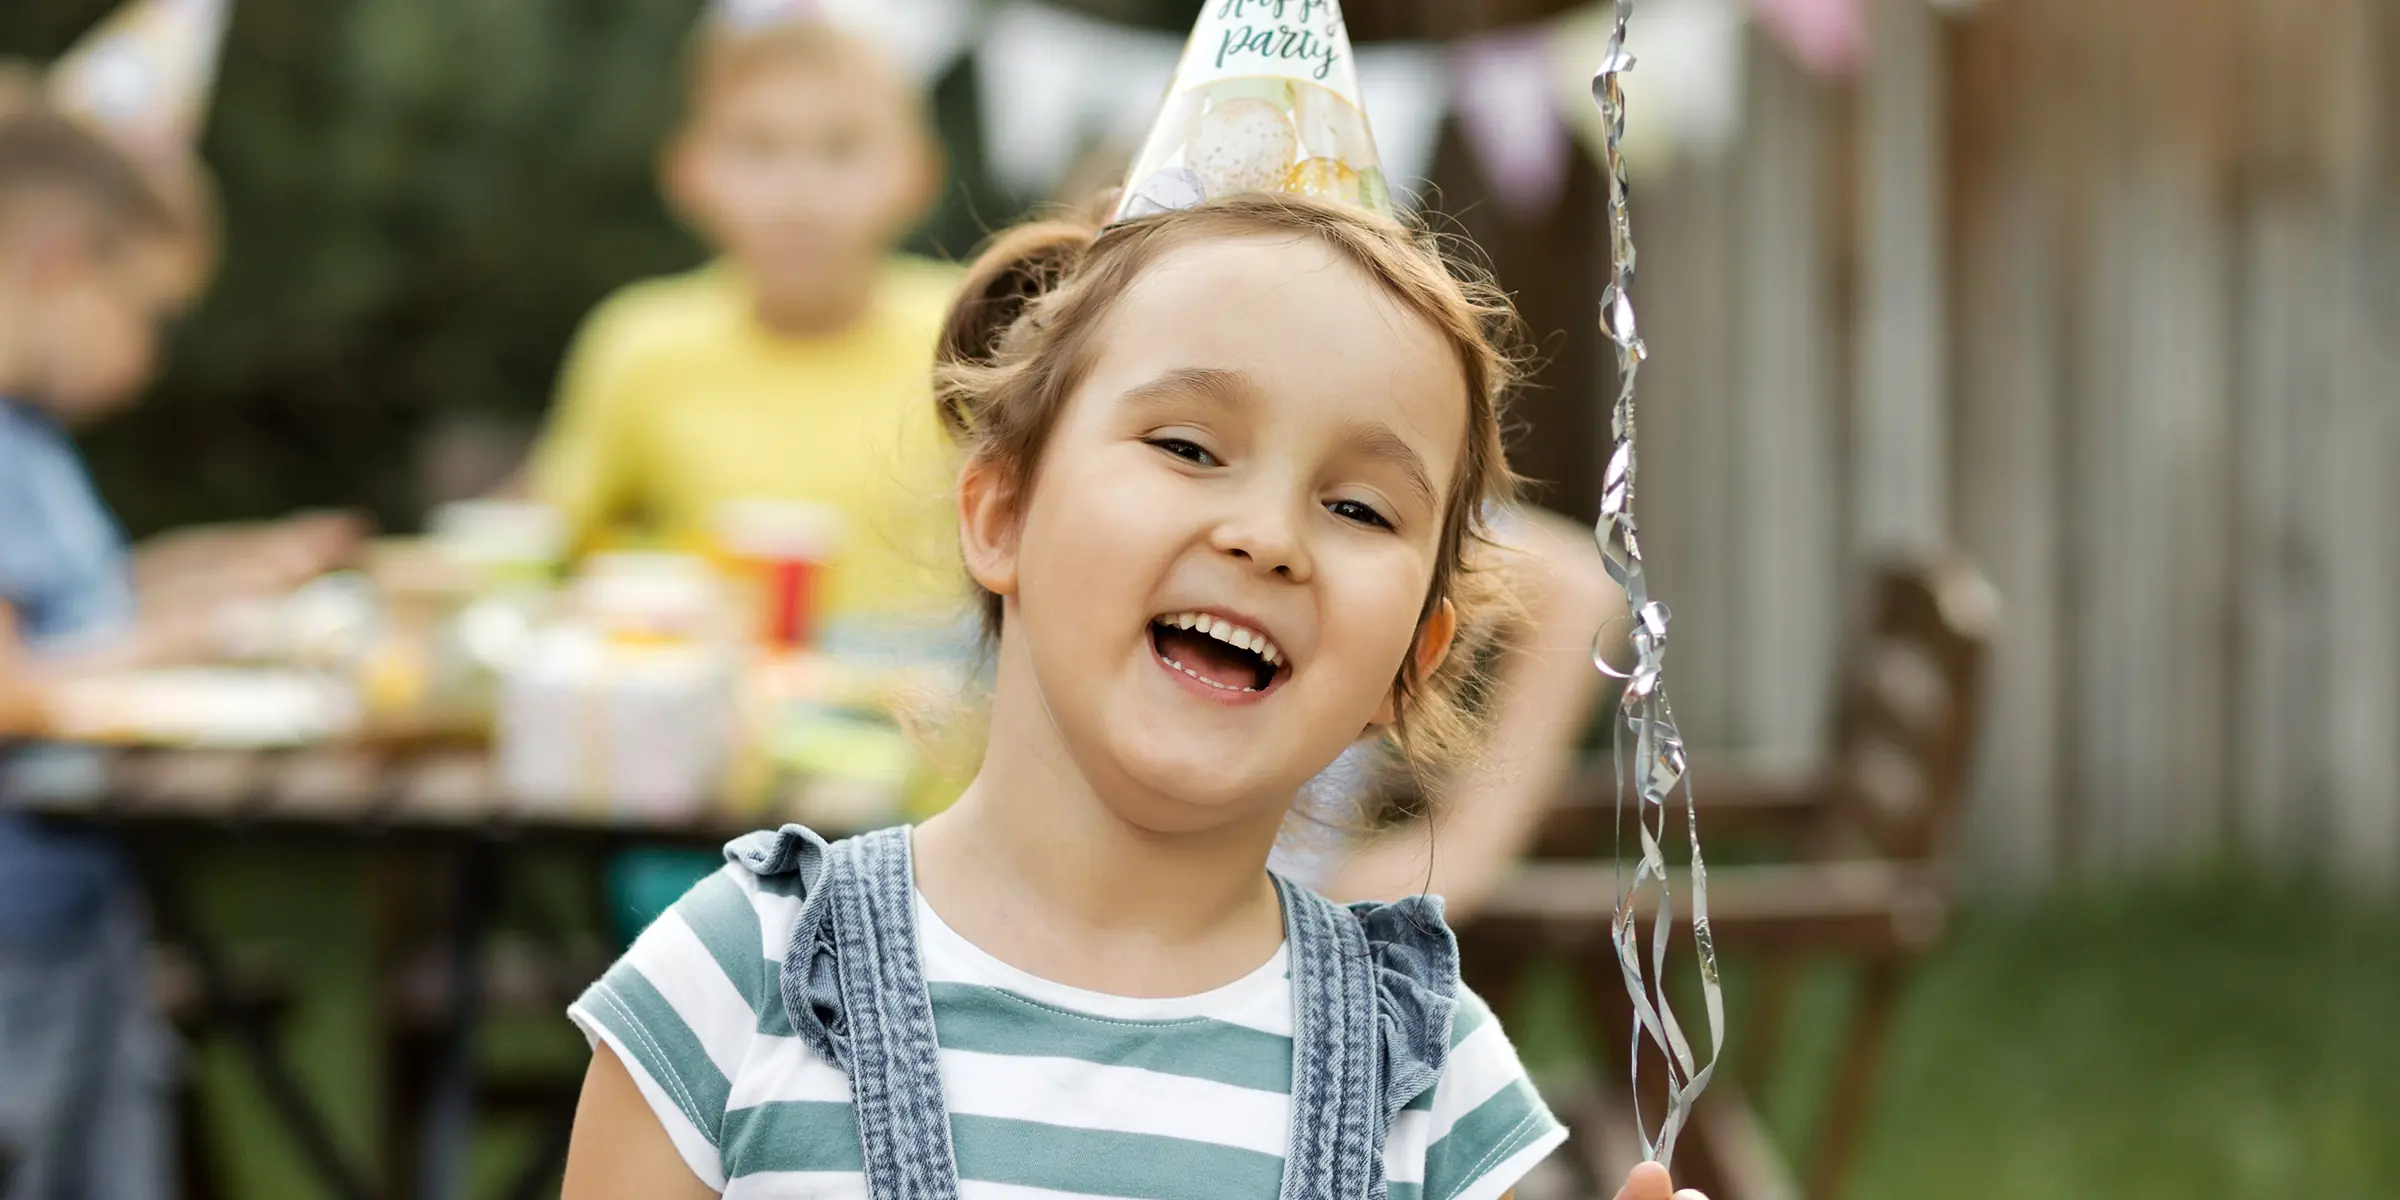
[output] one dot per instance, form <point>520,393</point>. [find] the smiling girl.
<point>1222,468</point>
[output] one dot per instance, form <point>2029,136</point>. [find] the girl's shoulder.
<point>693,1000</point>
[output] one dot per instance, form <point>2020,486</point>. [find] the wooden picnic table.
<point>439,807</point>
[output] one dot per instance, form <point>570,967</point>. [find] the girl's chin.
<point>1171,802</point>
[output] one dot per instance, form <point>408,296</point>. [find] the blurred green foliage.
<point>422,198</point>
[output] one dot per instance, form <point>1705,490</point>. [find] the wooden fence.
<point>2107,294</point>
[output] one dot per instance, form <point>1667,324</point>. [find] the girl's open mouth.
<point>1217,653</point>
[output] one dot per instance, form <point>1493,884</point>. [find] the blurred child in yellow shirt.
<point>797,365</point>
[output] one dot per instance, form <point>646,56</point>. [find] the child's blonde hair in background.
<point>1022,335</point>
<point>176,195</point>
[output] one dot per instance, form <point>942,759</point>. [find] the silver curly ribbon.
<point>1659,764</point>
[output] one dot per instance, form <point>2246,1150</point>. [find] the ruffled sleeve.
<point>792,860</point>
<point>1416,989</point>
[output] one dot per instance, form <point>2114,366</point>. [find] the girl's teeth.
<point>1229,633</point>
<point>1213,683</point>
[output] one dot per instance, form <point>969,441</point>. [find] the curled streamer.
<point>1658,765</point>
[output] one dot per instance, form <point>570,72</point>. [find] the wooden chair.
<point>1869,880</point>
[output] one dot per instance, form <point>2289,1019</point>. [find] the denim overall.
<point>1373,991</point>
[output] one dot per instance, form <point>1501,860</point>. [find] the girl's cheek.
<point>1383,599</point>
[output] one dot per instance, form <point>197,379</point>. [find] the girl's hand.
<point>1649,1182</point>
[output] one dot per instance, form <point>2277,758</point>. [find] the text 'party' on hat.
<point>1265,100</point>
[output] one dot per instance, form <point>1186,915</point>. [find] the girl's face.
<point>1261,451</point>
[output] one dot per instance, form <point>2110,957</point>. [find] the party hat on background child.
<point>1266,100</point>
<point>921,37</point>
<point>746,16</point>
<point>146,73</point>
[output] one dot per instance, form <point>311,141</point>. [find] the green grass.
<point>2217,1041</point>
<point>2185,1042</point>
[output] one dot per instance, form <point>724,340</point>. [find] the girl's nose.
<point>1267,535</point>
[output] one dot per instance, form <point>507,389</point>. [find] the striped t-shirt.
<point>1052,1090</point>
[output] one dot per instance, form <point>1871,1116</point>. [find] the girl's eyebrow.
<point>1217,386</point>
<point>1376,441</point>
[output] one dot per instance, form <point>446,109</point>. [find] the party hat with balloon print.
<point>1265,100</point>
<point>145,74</point>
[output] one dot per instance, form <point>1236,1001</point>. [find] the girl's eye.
<point>1360,512</point>
<point>1189,451</point>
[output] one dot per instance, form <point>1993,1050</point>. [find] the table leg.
<point>172,910</point>
<point>449,1122</point>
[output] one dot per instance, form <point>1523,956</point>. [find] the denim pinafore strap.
<point>1374,988</point>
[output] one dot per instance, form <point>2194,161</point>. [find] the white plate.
<point>207,707</point>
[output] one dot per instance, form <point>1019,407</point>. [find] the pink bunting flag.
<point>1828,37</point>
<point>1504,102</point>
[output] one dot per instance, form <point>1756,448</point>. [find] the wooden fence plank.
<point>1687,504</point>
<point>1786,523</point>
<point>1899,494</point>
<point>2009,283</point>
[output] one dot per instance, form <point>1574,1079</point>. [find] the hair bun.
<point>1019,267</point>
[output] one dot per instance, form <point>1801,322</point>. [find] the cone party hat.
<point>1265,100</point>
<point>146,73</point>
<point>746,16</point>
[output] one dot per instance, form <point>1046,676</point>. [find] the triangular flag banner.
<point>1828,37</point>
<point>1690,82</point>
<point>1504,105</point>
<point>146,73</point>
<point>1265,100</point>
<point>1051,81</point>
<point>1407,91</point>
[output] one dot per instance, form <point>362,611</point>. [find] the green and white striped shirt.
<point>1053,1091</point>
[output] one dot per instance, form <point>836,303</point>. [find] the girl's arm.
<point>21,702</point>
<point>265,558</point>
<point>619,1151</point>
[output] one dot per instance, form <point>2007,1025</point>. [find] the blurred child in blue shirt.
<point>97,253</point>
<point>93,259</point>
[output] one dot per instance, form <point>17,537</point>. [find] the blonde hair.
<point>48,158</point>
<point>42,146</point>
<point>1022,335</point>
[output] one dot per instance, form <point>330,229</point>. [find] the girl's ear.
<point>987,525</point>
<point>1434,639</point>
